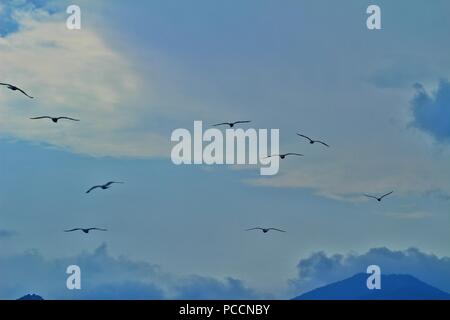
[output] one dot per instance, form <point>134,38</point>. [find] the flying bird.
<point>85,230</point>
<point>311,141</point>
<point>283,156</point>
<point>14,88</point>
<point>379,198</point>
<point>104,186</point>
<point>265,230</point>
<point>55,119</point>
<point>231,124</point>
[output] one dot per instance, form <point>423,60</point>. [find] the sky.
<point>134,73</point>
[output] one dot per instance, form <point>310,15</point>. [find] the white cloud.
<point>73,73</point>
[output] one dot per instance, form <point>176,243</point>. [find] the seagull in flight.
<point>283,156</point>
<point>311,141</point>
<point>14,88</point>
<point>104,186</point>
<point>265,230</point>
<point>231,124</point>
<point>54,119</point>
<point>379,198</point>
<point>85,230</point>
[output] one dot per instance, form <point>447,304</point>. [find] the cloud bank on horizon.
<point>105,277</point>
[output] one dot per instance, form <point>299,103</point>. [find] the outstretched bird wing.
<point>242,121</point>
<point>294,154</point>
<point>94,187</point>
<point>321,142</point>
<point>221,124</point>
<point>369,196</point>
<point>303,136</point>
<point>68,118</point>
<point>25,93</point>
<point>71,230</point>
<point>277,229</point>
<point>112,182</point>
<point>387,194</point>
<point>254,229</point>
<point>99,229</point>
<point>43,117</point>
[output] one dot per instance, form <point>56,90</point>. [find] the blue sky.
<point>135,73</point>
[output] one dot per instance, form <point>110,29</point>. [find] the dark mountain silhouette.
<point>31,297</point>
<point>393,287</point>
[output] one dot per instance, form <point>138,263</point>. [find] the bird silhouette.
<point>265,230</point>
<point>14,88</point>
<point>283,156</point>
<point>104,186</point>
<point>379,198</point>
<point>311,141</point>
<point>231,124</point>
<point>85,230</point>
<point>54,119</point>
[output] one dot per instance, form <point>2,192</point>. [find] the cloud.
<point>8,23</point>
<point>74,73</point>
<point>201,288</point>
<point>105,277</point>
<point>320,269</point>
<point>379,151</point>
<point>432,111</point>
<point>346,177</point>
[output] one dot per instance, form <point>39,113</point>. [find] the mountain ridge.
<point>393,287</point>
<point>31,297</point>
